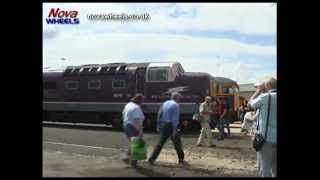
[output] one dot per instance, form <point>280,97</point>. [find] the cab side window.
<point>225,90</point>
<point>158,74</point>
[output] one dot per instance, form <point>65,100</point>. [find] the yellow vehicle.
<point>229,89</point>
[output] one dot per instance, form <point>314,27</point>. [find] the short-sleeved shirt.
<point>221,108</point>
<point>204,107</point>
<point>132,114</point>
<point>261,103</point>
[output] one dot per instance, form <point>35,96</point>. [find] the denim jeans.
<point>267,158</point>
<point>222,123</point>
<point>130,131</point>
<point>166,132</point>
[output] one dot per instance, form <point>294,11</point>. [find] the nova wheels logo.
<point>57,16</point>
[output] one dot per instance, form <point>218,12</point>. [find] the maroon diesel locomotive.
<point>102,90</point>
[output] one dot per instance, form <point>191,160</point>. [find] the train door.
<point>140,81</point>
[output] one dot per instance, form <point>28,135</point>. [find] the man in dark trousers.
<point>167,124</point>
<point>222,118</point>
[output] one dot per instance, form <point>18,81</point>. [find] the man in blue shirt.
<point>167,124</point>
<point>268,153</point>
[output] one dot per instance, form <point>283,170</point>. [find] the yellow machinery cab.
<point>229,89</point>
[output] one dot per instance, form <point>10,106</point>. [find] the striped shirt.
<point>261,103</point>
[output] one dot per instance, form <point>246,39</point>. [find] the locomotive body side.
<point>105,91</point>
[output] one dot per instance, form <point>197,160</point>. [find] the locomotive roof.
<point>153,64</point>
<point>224,80</point>
<point>161,64</point>
<point>138,65</point>
<point>195,74</point>
<point>119,66</point>
<point>56,69</point>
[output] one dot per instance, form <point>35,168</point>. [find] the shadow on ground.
<point>175,167</point>
<point>150,173</point>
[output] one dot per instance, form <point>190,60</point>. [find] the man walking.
<point>205,111</point>
<point>167,123</point>
<point>222,115</point>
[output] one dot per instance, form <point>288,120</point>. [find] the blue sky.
<point>235,40</point>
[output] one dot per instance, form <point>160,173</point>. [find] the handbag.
<point>138,149</point>
<point>197,117</point>
<point>259,139</point>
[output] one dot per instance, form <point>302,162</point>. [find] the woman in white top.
<point>249,122</point>
<point>133,121</point>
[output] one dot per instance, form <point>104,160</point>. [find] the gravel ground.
<point>232,157</point>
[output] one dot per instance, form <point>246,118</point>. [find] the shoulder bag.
<point>259,139</point>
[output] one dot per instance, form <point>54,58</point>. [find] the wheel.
<point>186,126</point>
<point>117,122</point>
<point>105,119</point>
<point>146,124</point>
<point>150,124</point>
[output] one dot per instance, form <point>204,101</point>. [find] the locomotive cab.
<point>163,71</point>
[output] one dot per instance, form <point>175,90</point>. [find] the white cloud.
<point>121,44</point>
<point>246,18</point>
<point>119,47</point>
<point>82,44</point>
<point>238,71</point>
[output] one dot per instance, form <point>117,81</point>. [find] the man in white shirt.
<point>206,112</point>
<point>133,121</point>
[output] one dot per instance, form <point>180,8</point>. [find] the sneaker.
<point>126,160</point>
<point>225,135</point>
<point>134,164</point>
<point>220,139</point>
<point>184,163</point>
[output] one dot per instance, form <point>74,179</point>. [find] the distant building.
<point>246,90</point>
